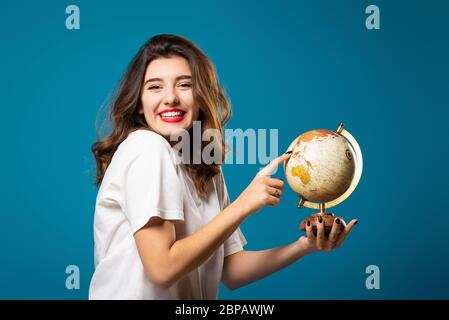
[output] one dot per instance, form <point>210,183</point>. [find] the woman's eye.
<point>185,85</point>
<point>154,87</point>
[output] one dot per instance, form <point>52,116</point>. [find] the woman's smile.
<point>172,115</point>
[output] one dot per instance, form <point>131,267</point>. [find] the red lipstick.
<point>172,115</point>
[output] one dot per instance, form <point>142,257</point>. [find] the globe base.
<point>328,222</point>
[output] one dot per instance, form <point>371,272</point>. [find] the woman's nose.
<point>170,97</point>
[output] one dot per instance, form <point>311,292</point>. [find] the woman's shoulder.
<point>142,142</point>
<point>145,138</point>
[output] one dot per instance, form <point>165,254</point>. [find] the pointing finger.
<point>272,166</point>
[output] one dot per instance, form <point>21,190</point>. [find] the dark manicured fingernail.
<point>320,219</point>
<point>356,222</point>
<point>288,152</point>
<point>337,221</point>
<point>308,223</point>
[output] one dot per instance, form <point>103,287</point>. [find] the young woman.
<point>165,228</point>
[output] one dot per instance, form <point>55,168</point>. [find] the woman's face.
<point>167,96</point>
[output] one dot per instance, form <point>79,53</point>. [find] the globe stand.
<point>328,217</point>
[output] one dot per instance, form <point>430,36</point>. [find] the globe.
<point>321,167</point>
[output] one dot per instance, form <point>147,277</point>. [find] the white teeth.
<point>172,114</point>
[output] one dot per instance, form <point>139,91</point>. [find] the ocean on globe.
<point>321,167</point>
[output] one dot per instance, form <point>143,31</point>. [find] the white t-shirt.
<point>145,179</point>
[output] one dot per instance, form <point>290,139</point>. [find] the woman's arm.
<point>245,267</point>
<point>166,259</point>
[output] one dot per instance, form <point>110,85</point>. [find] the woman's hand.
<point>321,242</point>
<point>263,190</point>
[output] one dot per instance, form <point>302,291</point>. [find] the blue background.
<point>290,65</point>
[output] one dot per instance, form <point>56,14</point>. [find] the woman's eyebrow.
<point>182,77</point>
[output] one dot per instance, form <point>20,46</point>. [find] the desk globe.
<point>323,169</point>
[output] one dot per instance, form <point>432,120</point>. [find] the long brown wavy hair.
<point>215,109</point>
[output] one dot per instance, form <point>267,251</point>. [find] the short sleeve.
<point>234,243</point>
<point>152,188</point>
<point>237,240</point>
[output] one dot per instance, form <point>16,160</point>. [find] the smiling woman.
<point>165,228</point>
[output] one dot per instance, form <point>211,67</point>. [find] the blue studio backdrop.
<point>287,65</point>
